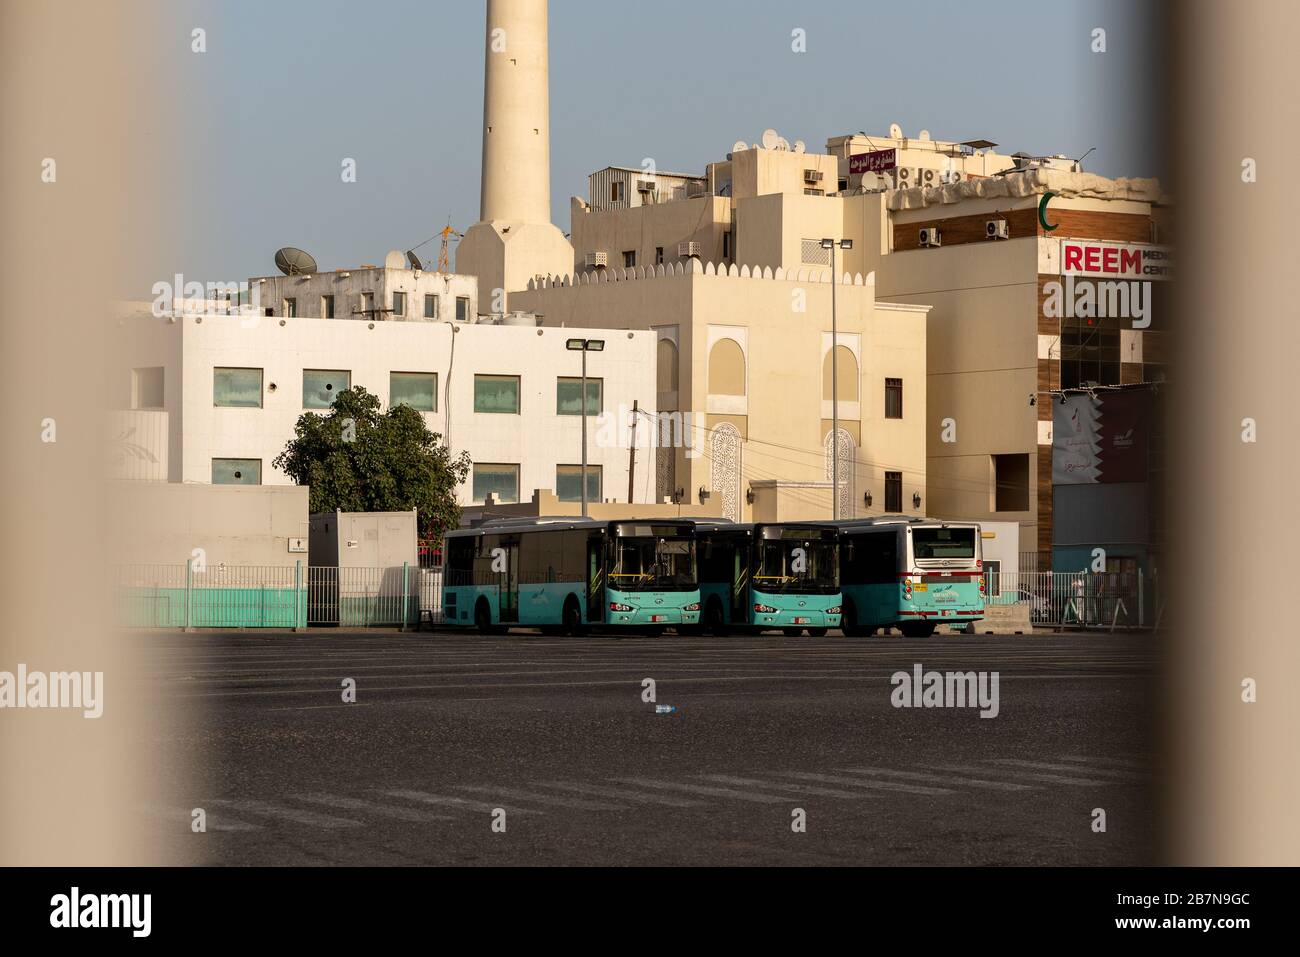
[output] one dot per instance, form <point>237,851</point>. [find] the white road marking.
<point>942,779</point>
<point>367,807</point>
<point>796,788</point>
<point>465,804</point>
<point>858,783</point>
<point>1031,775</point>
<point>573,803</point>
<point>1100,772</point>
<point>309,818</point>
<point>701,789</point>
<point>619,793</point>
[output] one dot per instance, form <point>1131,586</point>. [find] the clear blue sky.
<point>287,89</point>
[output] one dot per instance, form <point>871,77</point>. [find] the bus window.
<point>943,543</point>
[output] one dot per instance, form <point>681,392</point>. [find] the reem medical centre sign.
<point>1098,260</point>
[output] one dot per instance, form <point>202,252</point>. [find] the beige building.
<point>744,384</point>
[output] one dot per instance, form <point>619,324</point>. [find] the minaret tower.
<point>515,239</point>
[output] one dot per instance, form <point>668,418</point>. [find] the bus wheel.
<point>850,626</point>
<point>483,617</point>
<point>817,632</point>
<point>572,617</point>
<point>917,629</point>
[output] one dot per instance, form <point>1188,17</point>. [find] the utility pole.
<point>631,455</point>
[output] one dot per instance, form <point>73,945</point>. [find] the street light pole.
<point>835,381</point>
<point>584,433</point>
<point>584,346</point>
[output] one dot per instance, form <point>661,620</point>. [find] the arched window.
<point>726,368</point>
<point>847,369</point>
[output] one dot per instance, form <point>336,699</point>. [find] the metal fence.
<point>195,595</point>
<point>1078,599</point>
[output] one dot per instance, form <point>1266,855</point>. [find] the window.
<point>893,491</point>
<point>568,483</point>
<point>1089,355</point>
<point>290,308</point>
<point>237,388</point>
<point>812,253</point>
<point>430,306</point>
<point>568,394</point>
<point>893,398</point>
<point>368,304</point>
<point>236,471</point>
<point>726,244</point>
<point>327,307</point>
<point>419,390</point>
<point>659,255</point>
<point>814,192</point>
<point>462,308</point>
<point>992,578</point>
<point>496,393</point>
<point>399,303</point>
<point>616,191</point>
<point>629,258</point>
<point>1011,483</point>
<point>147,388</point>
<point>499,481</point>
<point>320,386</point>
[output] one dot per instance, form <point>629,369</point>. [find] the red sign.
<point>875,162</point>
<point>1116,260</point>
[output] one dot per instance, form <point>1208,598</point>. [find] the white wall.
<point>537,439</point>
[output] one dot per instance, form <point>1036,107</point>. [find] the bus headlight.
<point>833,610</point>
<point>693,606</point>
<point>765,609</point>
<point>615,606</point>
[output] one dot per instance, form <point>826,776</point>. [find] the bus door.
<point>596,578</point>
<point>508,596</point>
<point>740,611</point>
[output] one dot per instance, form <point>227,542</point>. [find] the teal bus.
<point>565,575</point>
<point>912,574</point>
<point>769,576</point>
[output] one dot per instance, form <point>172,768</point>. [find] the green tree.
<point>358,458</point>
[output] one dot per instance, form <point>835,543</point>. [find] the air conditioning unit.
<point>930,236</point>
<point>597,260</point>
<point>645,186</point>
<point>812,176</point>
<point>997,229</point>
<point>686,250</point>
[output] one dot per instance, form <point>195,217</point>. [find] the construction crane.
<point>444,254</point>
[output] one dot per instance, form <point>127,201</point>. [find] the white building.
<point>506,391</point>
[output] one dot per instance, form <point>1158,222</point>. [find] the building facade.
<point>508,392</point>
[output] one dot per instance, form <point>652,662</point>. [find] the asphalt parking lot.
<point>448,731</point>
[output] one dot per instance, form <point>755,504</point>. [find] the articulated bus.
<point>769,576</point>
<point>912,574</point>
<point>563,575</point>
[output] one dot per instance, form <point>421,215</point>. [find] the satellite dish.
<point>414,260</point>
<point>923,136</point>
<point>770,139</point>
<point>799,146</point>
<point>739,146</point>
<point>294,262</point>
<point>895,131</point>
<point>783,144</point>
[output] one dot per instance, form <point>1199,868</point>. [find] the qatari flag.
<point>1122,433</point>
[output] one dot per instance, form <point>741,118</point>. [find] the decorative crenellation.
<point>693,267</point>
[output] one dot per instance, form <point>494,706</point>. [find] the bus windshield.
<point>793,565</point>
<point>648,563</point>
<point>943,543</point>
